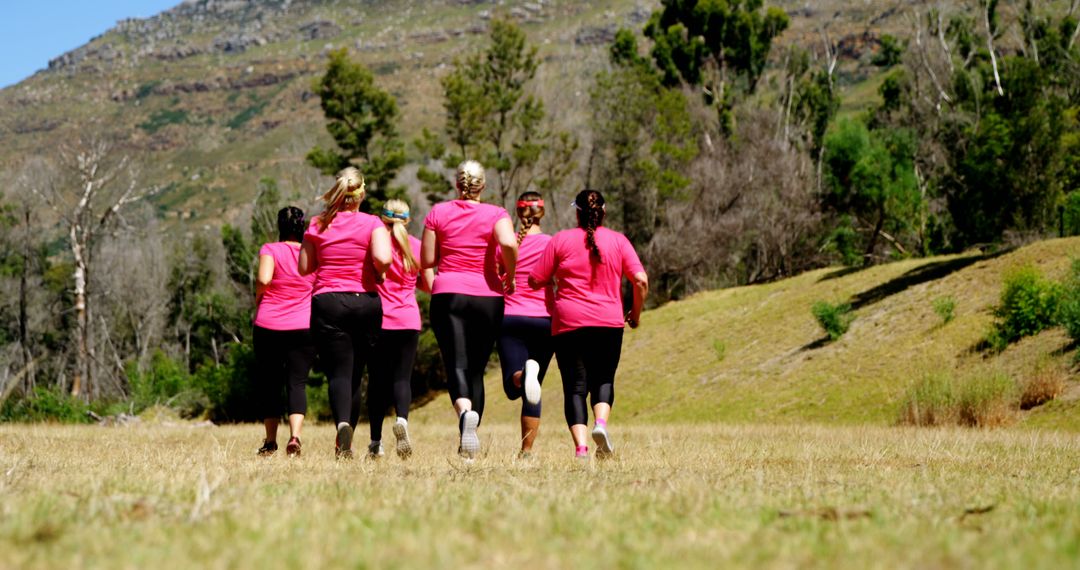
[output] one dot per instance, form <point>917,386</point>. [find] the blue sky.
<point>34,31</point>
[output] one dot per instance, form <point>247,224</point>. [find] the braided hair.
<point>530,210</point>
<point>590,215</point>
<point>290,224</point>
<point>470,179</point>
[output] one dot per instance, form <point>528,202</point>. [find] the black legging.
<point>588,358</point>
<point>465,327</point>
<point>345,327</point>
<point>282,360</point>
<point>521,339</point>
<point>391,377</point>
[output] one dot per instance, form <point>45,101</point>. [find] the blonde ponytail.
<point>396,213</point>
<point>348,189</point>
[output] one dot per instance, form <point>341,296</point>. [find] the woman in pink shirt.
<point>348,251</point>
<point>525,347</point>
<point>395,351</point>
<point>586,265</point>
<point>460,239</point>
<point>284,350</point>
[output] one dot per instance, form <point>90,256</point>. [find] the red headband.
<point>539,203</point>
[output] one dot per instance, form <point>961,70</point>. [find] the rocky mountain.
<point>216,94</point>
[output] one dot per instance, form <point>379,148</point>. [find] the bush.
<point>930,402</point>
<point>834,319</point>
<point>945,307</point>
<point>988,400</point>
<point>167,383</point>
<point>720,349</point>
<point>1029,305</point>
<point>1046,384</point>
<point>46,405</point>
<point>983,399</point>
<point>1069,303</point>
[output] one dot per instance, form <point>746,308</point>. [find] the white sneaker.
<point>603,442</point>
<point>375,450</point>
<point>470,442</point>
<point>532,382</point>
<point>401,432</point>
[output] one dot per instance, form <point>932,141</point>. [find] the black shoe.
<point>268,448</point>
<point>343,445</point>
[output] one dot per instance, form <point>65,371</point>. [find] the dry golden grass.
<point>701,496</point>
<point>1045,384</point>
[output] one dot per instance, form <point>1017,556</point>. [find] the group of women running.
<point>343,285</point>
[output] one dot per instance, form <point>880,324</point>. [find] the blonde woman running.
<point>460,239</point>
<point>395,351</point>
<point>348,251</point>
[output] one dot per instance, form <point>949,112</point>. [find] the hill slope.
<point>218,92</point>
<point>776,369</point>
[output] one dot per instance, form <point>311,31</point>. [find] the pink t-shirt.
<point>398,293</point>
<point>341,253</point>
<point>466,247</point>
<point>587,294</point>
<point>286,303</point>
<point>526,302</point>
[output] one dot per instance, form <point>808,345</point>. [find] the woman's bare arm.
<point>507,240</point>
<point>263,276</point>
<point>428,259</point>
<point>307,263</point>
<point>640,282</point>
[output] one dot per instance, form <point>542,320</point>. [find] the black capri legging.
<point>465,327</point>
<point>391,376</point>
<point>521,339</point>
<point>588,358</point>
<point>283,359</point>
<point>345,327</point>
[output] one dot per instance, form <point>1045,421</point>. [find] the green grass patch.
<point>835,320</point>
<point>945,307</point>
<point>163,118</point>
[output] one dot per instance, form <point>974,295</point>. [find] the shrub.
<point>46,405</point>
<point>1029,305</point>
<point>1069,303</point>
<point>720,349</point>
<point>1047,383</point>
<point>166,382</point>
<point>945,307</point>
<point>987,399</point>
<point>834,319</point>
<point>930,402</point>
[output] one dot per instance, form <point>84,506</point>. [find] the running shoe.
<point>343,443</point>
<point>268,448</point>
<point>375,450</point>
<point>293,447</point>
<point>470,443</point>
<point>532,381</point>
<point>401,432</point>
<point>603,442</point>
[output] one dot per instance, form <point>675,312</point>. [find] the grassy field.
<point>676,496</point>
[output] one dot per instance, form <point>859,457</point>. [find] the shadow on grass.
<point>918,276</point>
<point>1066,348</point>
<point>819,343</point>
<point>842,272</point>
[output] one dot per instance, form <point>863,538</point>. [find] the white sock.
<point>402,421</point>
<point>342,424</point>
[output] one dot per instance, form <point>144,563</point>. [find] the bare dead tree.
<point>90,204</point>
<point>990,46</point>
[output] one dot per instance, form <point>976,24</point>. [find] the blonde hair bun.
<point>470,179</point>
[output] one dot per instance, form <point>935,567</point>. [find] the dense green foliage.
<point>1028,306</point>
<point>362,118</point>
<point>835,320</point>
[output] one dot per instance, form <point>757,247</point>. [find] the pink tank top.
<point>526,302</point>
<point>398,292</point>
<point>587,294</point>
<point>466,247</point>
<point>286,303</point>
<point>342,253</point>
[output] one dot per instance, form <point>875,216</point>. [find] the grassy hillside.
<point>776,367</point>
<point>218,94</point>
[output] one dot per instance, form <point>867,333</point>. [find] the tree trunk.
<point>874,237</point>
<point>24,333</point>
<point>81,379</point>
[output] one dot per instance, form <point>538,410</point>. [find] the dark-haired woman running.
<point>525,347</point>
<point>348,251</point>
<point>284,350</point>
<point>587,265</point>
<point>460,239</point>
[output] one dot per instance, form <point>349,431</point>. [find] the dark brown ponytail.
<point>590,207</point>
